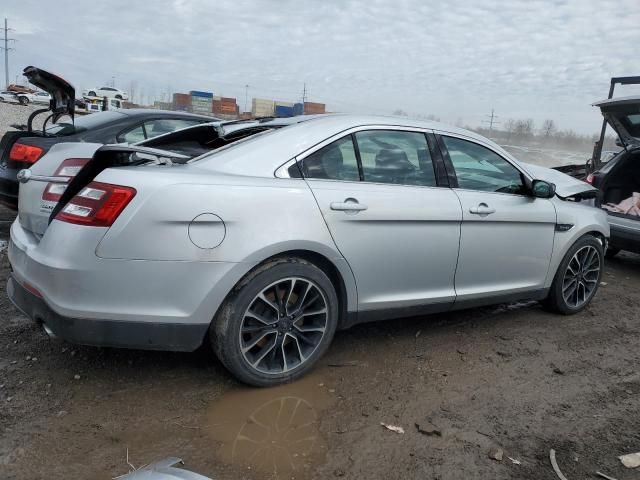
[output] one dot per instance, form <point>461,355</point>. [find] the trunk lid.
<point>62,93</point>
<point>623,114</point>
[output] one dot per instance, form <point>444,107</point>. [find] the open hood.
<point>566,186</point>
<point>62,93</point>
<point>623,114</point>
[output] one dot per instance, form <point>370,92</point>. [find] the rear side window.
<point>336,161</point>
<point>161,126</point>
<point>84,123</point>
<point>132,136</point>
<point>390,156</point>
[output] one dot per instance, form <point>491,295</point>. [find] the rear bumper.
<point>106,333</point>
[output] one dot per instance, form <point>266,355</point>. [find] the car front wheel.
<point>276,323</point>
<point>578,277</point>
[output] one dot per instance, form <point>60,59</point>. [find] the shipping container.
<point>283,104</point>
<point>311,108</point>
<point>222,107</point>
<point>283,111</point>
<point>198,93</point>
<point>228,100</point>
<point>298,109</point>
<point>261,107</point>
<point>181,99</point>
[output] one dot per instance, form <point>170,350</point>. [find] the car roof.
<point>248,158</point>
<point>144,112</point>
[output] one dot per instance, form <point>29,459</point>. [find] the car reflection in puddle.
<point>273,430</point>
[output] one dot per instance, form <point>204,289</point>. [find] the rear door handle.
<point>349,205</point>
<point>482,209</point>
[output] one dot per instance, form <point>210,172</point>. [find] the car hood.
<point>566,186</point>
<point>62,92</point>
<point>623,114</point>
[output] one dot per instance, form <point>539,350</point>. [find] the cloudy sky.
<point>456,60</point>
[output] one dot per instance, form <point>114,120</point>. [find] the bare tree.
<point>510,127</point>
<point>549,128</point>
<point>524,128</point>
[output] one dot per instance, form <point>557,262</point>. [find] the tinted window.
<point>84,123</point>
<point>390,156</point>
<point>479,168</point>
<point>336,161</point>
<point>166,125</point>
<point>132,136</point>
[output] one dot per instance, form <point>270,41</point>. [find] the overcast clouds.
<point>456,60</point>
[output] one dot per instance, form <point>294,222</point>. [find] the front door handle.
<point>349,205</point>
<point>482,209</point>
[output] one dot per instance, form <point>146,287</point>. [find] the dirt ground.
<point>511,377</point>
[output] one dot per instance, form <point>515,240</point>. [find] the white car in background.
<point>109,92</point>
<point>6,96</point>
<point>38,97</point>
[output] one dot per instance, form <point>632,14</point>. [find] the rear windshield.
<point>83,123</point>
<point>632,123</point>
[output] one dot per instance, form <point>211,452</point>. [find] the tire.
<point>611,252</point>
<point>282,333</point>
<point>92,93</point>
<point>119,97</point>
<point>559,303</point>
<point>23,100</point>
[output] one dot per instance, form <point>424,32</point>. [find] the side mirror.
<point>542,189</point>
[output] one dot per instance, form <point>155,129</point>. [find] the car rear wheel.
<point>23,100</point>
<point>119,97</point>
<point>577,278</point>
<point>276,323</point>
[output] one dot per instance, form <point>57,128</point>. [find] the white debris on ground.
<point>13,113</point>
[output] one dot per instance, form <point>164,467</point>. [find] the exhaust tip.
<point>48,331</point>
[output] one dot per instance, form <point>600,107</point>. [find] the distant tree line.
<point>524,131</point>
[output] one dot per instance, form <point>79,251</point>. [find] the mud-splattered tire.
<point>276,323</point>
<point>577,278</point>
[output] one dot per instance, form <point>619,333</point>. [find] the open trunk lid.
<point>62,93</point>
<point>623,114</point>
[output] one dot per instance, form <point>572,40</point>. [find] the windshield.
<point>82,123</point>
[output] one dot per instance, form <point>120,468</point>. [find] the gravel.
<point>11,113</point>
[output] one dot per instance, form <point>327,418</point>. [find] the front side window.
<point>390,156</point>
<point>478,168</point>
<point>336,161</point>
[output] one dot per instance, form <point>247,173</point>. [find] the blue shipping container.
<point>284,111</point>
<point>298,109</point>
<point>197,93</point>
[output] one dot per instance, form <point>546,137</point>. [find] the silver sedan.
<point>267,246</point>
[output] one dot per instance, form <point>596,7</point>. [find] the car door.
<point>395,226</point>
<point>507,235</point>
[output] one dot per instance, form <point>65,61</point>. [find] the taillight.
<point>25,153</point>
<point>97,204</point>
<point>69,168</point>
<point>589,179</point>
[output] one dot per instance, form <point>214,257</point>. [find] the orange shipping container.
<point>312,107</point>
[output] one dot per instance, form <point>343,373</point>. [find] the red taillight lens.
<point>589,179</point>
<point>69,168</point>
<point>25,153</point>
<point>97,205</point>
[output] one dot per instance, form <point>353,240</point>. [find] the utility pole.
<point>304,93</point>
<point>492,120</point>
<point>246,96</point>
<point>6,51</point>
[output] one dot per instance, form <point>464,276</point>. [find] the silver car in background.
<point>272,243</point>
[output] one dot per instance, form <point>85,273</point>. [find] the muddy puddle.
<point>272,431</point>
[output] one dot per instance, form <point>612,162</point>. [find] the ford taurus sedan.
<point>267,246</point>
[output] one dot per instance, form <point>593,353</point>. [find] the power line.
<point>6,51</point>
<point>492,120</point>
